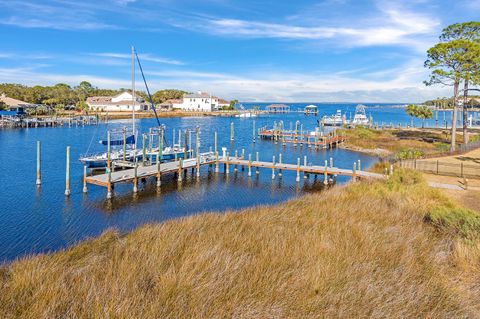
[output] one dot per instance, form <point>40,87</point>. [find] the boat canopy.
<point>129,140</point>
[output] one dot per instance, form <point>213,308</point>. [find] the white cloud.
<point>402,84</point>
<point>393,25</point>
<point>142,56</point>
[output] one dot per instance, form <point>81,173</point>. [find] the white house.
<point>199,101</point>
<point>120,102</point>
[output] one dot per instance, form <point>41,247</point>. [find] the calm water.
<point>40,220</point>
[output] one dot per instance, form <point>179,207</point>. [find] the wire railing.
<point>439,167</point>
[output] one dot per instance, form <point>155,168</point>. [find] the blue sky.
<point>264,50</point>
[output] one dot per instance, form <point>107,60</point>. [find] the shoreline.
<point>299,252</point>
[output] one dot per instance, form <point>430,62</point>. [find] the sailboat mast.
<point>133,99</point>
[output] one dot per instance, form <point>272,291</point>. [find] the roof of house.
<point>197,95</point>
<point>223,101</point>
<point>107,100</point>
<point>174,101</point>
<point>13,102</point>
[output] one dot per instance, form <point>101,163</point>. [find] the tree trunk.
<point>454,117</point>
<point>465,112</point>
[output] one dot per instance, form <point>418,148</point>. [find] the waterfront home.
<point>168,104</point>
<point>200,101</point>
<point>222,103</point>
<point>122,102</point>
<point>14,105</point>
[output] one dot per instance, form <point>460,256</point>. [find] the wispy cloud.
<point>143,56</point>
<point>393,25</point>
<point>400,84</point>
<point>51,15</point>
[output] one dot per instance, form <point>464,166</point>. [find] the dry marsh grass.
<point>363,250</point>
<point>401,142</point>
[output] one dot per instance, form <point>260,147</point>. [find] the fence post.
<point>437,167</point>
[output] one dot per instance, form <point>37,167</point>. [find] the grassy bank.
<point>380,249</point>
<point>400,143</point>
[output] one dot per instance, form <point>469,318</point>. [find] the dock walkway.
<point>330,173</point>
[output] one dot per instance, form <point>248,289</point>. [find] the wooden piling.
<point>135,177</point>
<point>354,172</point>
<point>67,173</point>
<point>359,167</point>
<point>305,174</point>
<point>254,131</point>
<point>217,168</point>
<point>325,177</point>
<point>280,163</point>
<point>215,142</point>
<point>227,164</point>
<point>109,152</point>
<point>249,165</point>
<point>298,170</point>
<point>84,179</point>
<point>232,132</point>
<point>273,167</point>
<point>180,173</point>
<point>124,143</point>
<point>144,150</point>
<point>257,171</point>
<point>159,159</point>
<point>39,174</point>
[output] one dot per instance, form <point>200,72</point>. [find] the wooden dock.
<point>295,137</point>
<point>212,159</point>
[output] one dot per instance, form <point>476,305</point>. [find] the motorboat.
<point>338,119</point>
<point>360,117</point>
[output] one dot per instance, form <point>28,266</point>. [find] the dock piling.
<point>232,132</point>
<point>67,173</point>
<point>84,179</point>
<point>354,172</point>
<point>257,171</point>
<point>325,179</point>
<point>180,171</point>
<point>39,175</point>
<point>280,163</point>
<point>273,167</point>
<point>135,177</point>
<point>144,148</point>
<point>298,170</point>
<point>249,165</point>
<point>227,164</point>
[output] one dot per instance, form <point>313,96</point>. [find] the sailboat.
<point>131,153</point>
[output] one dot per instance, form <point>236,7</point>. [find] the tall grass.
<point>363,250</point>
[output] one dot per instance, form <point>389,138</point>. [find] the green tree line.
<point>61,94</point>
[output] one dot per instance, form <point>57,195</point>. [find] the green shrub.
<point>456,221</point>
<point>474,137</point>
<point>364,132</point>
<point>409,154</point>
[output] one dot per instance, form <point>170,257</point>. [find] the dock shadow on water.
<point>212,189</point>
